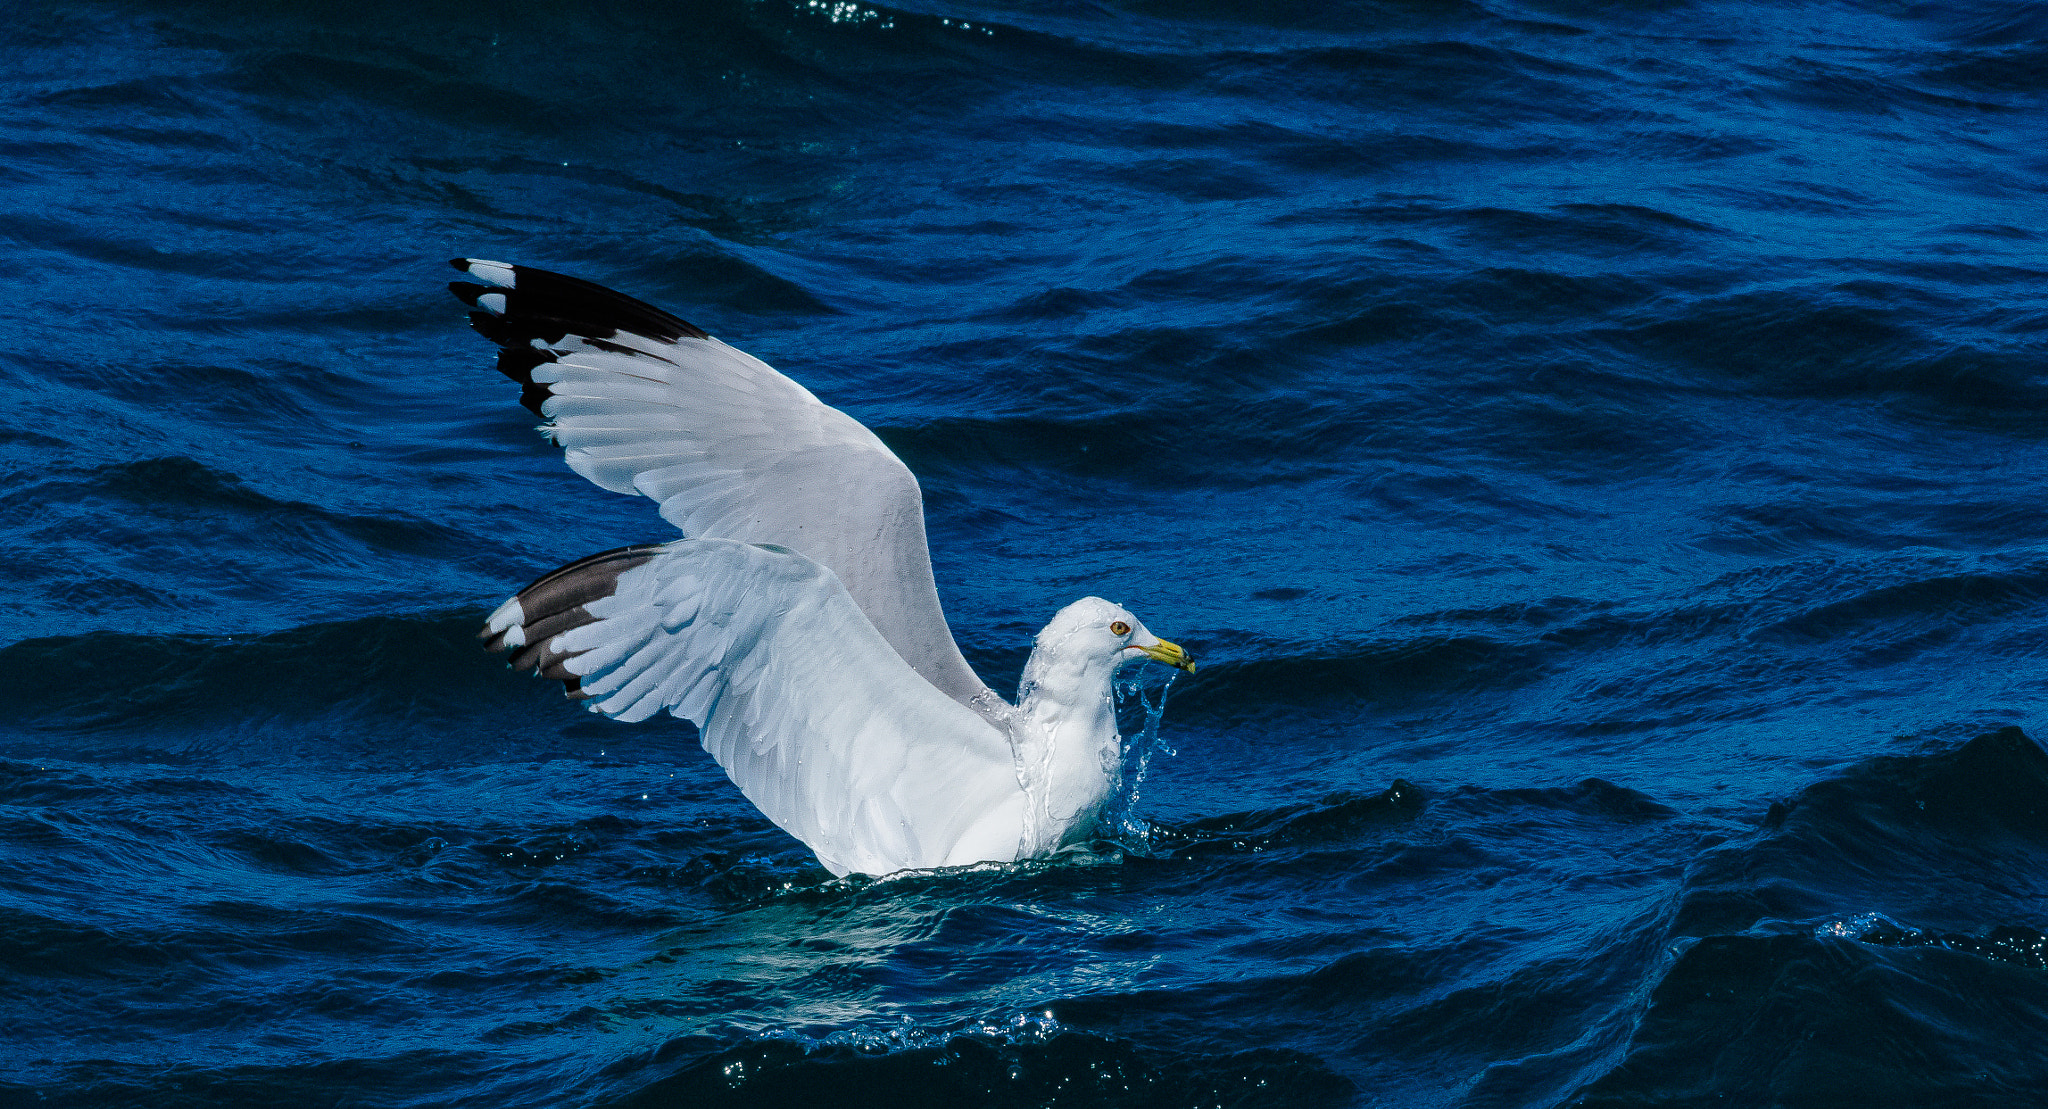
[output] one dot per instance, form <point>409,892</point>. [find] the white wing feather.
<point>808,709</point>
<point>732,449</point>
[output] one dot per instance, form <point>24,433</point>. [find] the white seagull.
<point>798,625</point>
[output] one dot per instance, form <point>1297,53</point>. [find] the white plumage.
<point>799,625</point>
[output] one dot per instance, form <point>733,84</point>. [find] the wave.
<point>1790,1020</point>
<point>1777,996</point>
<point>1707,648</point>
<point>388,689</point>
<point>170,542</point>
<point>1338,817</point>
<point>1895,834</point>
<point>1003,1068</point>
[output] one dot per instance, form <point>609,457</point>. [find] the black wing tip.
<point>633,554</point>
<point>560,304</point>
<point>505,276</point>
<point>518,363</point>
<point>536,309</point>
<point>557,602</point>
<point>533,397</point>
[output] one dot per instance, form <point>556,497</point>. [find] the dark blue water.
<point>1598,454</point>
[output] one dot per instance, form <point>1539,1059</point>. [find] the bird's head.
<point>1093,626</point>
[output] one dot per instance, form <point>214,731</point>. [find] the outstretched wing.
<point>799,698</point>
<point>646,403</point>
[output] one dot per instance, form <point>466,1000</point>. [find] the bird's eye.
<point>1120,628</point>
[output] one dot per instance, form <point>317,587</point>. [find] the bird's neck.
<point>1068,752</point>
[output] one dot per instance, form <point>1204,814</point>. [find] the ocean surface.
<point>1596,451</point>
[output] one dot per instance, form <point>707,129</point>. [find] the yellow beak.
<point>1171,654</point>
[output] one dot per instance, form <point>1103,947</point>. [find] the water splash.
<point>2013,944</point>
<point>1866,927</point>
<point>1026,1028</point>
<point>1118,819</point>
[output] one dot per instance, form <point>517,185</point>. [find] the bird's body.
<point>798,625</point>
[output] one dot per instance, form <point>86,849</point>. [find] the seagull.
<point>798,624</point>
